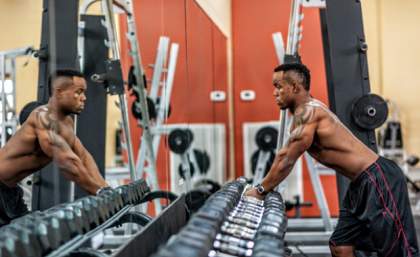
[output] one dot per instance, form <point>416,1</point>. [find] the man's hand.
<point>253,192</point>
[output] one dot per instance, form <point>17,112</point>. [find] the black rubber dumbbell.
<point>4,251</point>
<point>109,205</point>
<point>125,194</point>
<point>212,214</point>
<point>15,245</point>
<point>72,221</point>
<point>207,226</point>
<point>243,180</point>
<point>143,183</point>
<point>79,212</point>
<point>188,247</point>
<point>87,207</point>
<point>29,242</point>
<point>117,198</point>
<point>97,206</point>
<point>50,231</point>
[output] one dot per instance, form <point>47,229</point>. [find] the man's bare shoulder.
<point>305,113</point>
<point>43,118</point>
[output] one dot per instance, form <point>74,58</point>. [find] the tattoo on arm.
<point>301,116</point>
<point>49,121</point>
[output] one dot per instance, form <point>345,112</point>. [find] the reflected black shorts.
<point>12,204</point>
<point>375,214</point>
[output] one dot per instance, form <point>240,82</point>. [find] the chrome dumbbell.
<point>248,211</point>
<point>243,222</point>
<point>238,233</point>
<point>228,225</point>
<point>231,249</point>
<point>235,241</point>
<point>253,200</point>
<point>246,217</point>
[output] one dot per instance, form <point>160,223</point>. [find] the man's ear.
<point>295,87</point>
<point>59,93</point>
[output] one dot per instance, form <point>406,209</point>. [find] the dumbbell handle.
<point>246,217</point>
<point>248,209</point>
<point>237,233</point>
<point>253,200</point>
<point>244,204</point>
<point>232,249</point>
<point>247,212</point>
<point>235,241</point>
<point>240,221</point>
<point>227,225</point>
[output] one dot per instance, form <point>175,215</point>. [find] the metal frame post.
<point>113,43</point>
<point>290,50</point>
<point>141,104</point>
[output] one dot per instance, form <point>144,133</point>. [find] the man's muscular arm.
<point>89,163</point>
<point>53,145</point>
<point>304,126</point>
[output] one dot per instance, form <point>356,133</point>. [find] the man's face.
<point>282,91</point>
<point>74,96</point>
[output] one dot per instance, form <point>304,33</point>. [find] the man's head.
<point>67,87</point>
<point>290,81</point>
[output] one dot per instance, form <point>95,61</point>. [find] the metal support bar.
<point>319,193</point>
<point>111,30</point>
<point>161,55</point>
<point>263,158</point>
<point>139,88</point>
<point>290,50</point>
<point>13,53</point>
<point>162,112</point>
<point>279,45</point>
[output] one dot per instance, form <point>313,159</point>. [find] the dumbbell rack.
<point>64,229</point>
<point>230,224</point>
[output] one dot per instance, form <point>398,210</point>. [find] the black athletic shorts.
<point>375,214</point>
<point>12,204</point>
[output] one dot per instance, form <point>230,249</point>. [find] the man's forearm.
<point>93,170</point>
<point>76,172</point>
<point>281,168</point>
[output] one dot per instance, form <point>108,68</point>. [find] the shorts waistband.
<point>372,167</point>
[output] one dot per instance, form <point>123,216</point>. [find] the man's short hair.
<point>67,73</point>
<point>299,69</point>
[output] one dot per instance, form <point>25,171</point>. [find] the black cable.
<point>299,250</point>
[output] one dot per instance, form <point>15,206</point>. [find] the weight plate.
<point>26,111</point>
<point>254,162</point>
<point>181,172</point>
<point>150,108</point>
<point>203,161</point>
<point>370,111</point>
<point>179,140</point>
<point>266,138</point>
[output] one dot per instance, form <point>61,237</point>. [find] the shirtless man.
<point>375,214</point>
<point>47,135</point>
